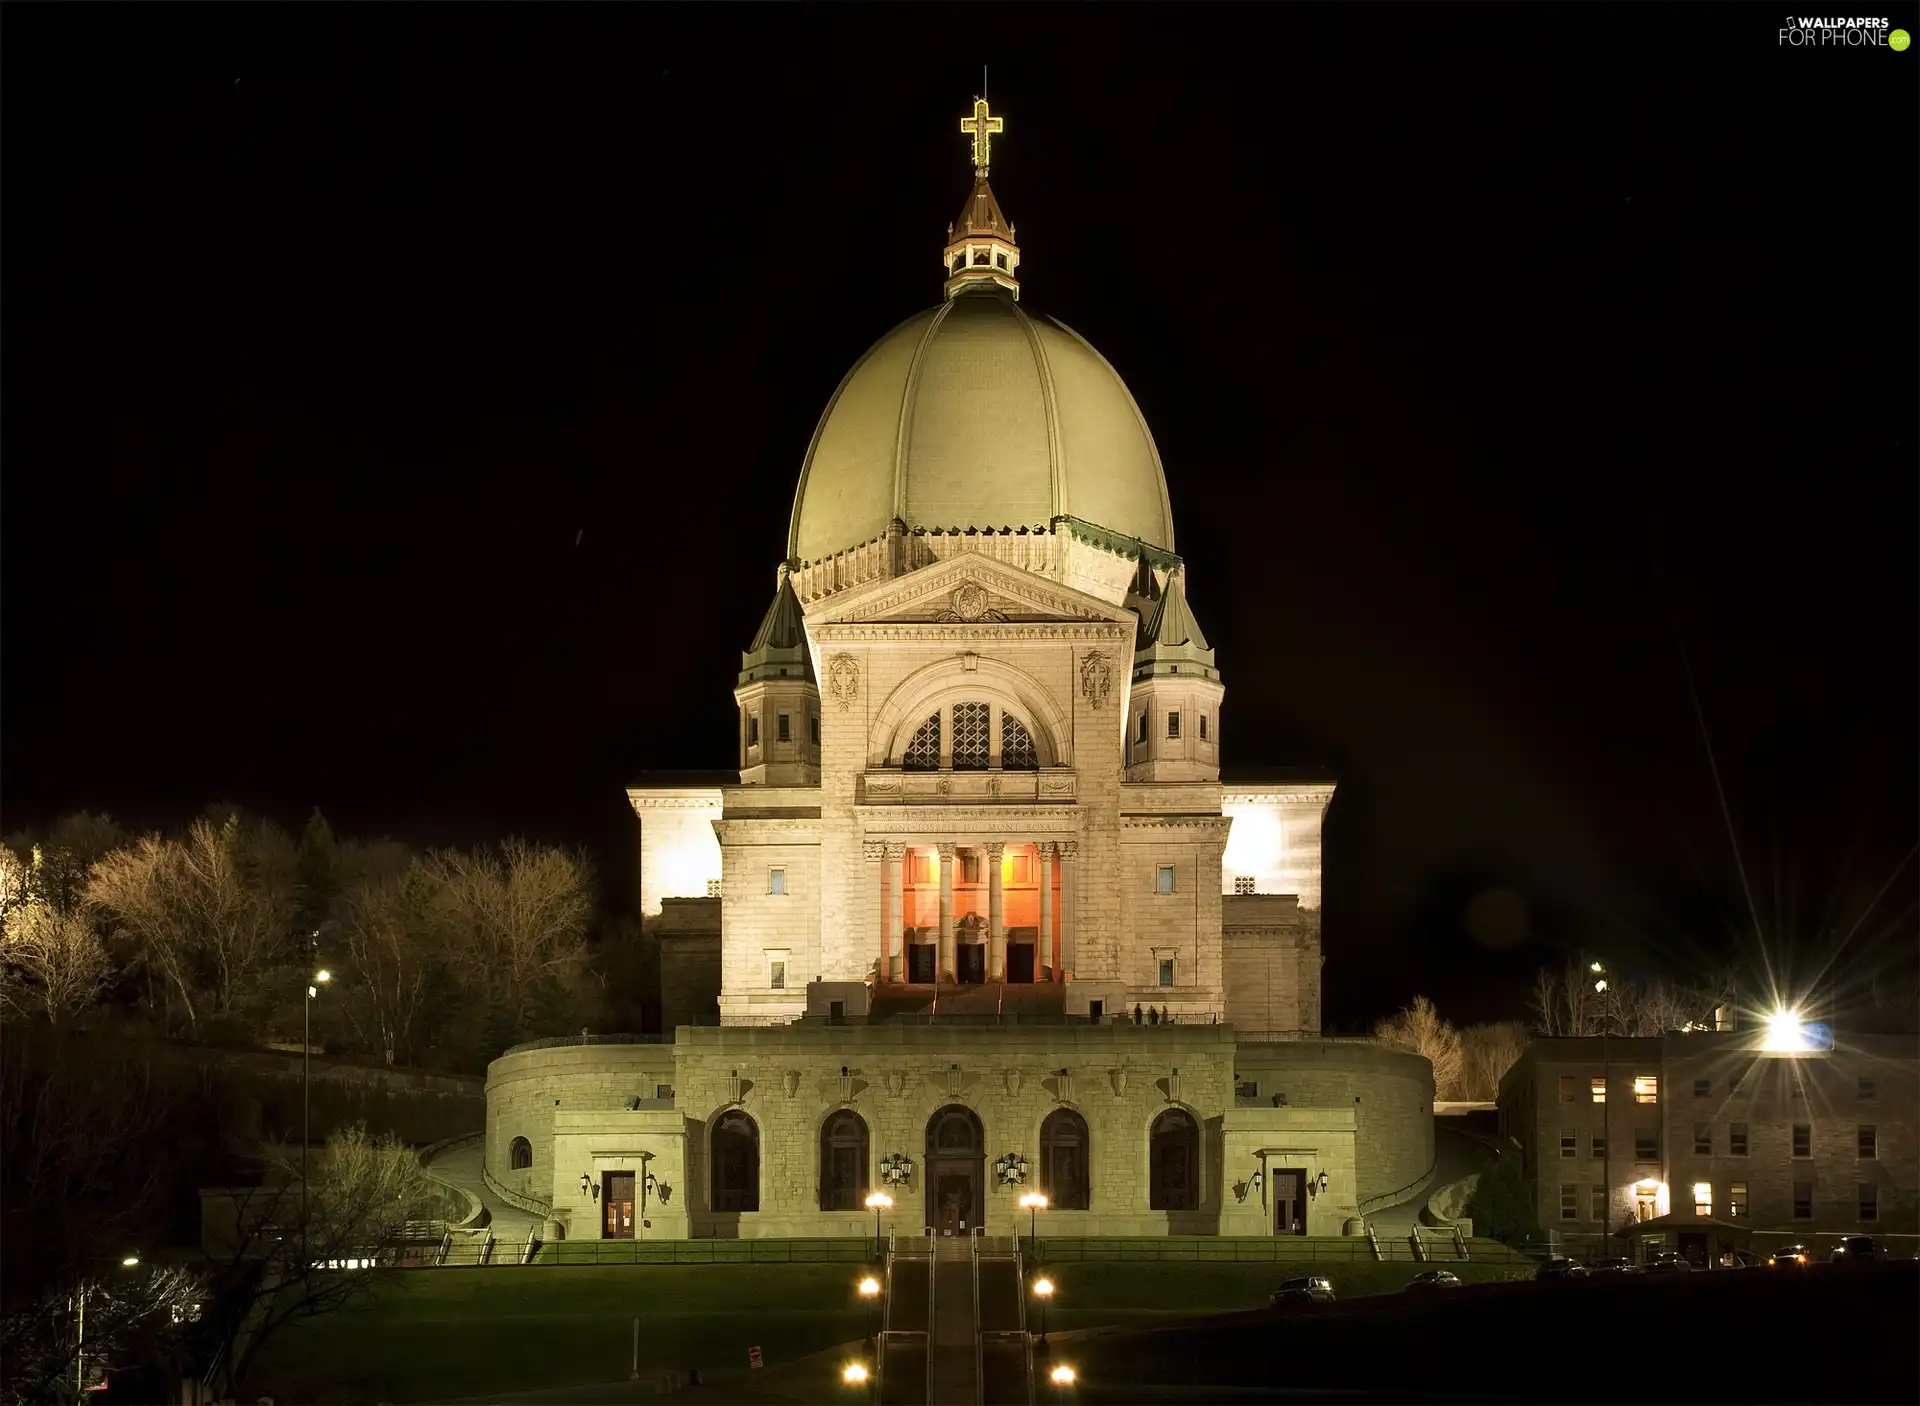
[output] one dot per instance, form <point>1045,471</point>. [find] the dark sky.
<point>1506,362</point>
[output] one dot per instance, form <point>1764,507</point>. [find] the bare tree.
<point>39,1348</point>
<point>1420,1028</point>
<point>391,961</point>
<point>1487,1053</point>
<point>1546,1004</point>
<point>136,888</point>
<point>51,961</point>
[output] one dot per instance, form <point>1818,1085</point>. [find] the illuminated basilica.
<point>974,915</point>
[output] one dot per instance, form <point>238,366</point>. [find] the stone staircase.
<point>955,1348</point>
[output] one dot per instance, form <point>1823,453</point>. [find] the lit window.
<point>1569,1088</point>
<point>1599,1089</point>
<point>785,731</point>
<point>1703,1198</point>
<point>777,975</point>
<point>1203,727</point>
<point>1646,1088</point>
<point>1803,1139</point>
<point>1569,1144</point>
<point>1646,1144</point>
<point>1702,1088</point>
<point>1600,1204</point>
<point>1736,1140</point>
<point>923,752</point>
<point>1173,723</point>
<point>1737,1199</point>
<point>1867,1090</point>
<point>1869,1142</point>
<point>1243,883</point>
<point>1599,1145</point>
<point>1803,1200</point>
<point>776,881</point>
<point>1166,879</point>
<point>1166,971</point>
<point>1569,1203</point>
<point>970,736</point>
<point>1869,1202</point>
<point>753,731</point>
<point>713,888</point>
<point>1703,1139</point>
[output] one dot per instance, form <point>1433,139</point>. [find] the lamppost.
<point>80,1332</point>
<point>1033,1203</point>
<point>870,1291</point>
<point>320,978</point>
<point>1599,971</point>
<point>1043,1291</point>
<point>877,1203</point>
<point>1062,1378</point>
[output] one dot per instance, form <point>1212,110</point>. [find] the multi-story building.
<point>1706,1141</point>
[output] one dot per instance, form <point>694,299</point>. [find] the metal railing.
<point>1273,1249</point>
<point>559,1042</point>
<point>933,1303</point>
<point>979,1362</point>
<point>616,1252</point>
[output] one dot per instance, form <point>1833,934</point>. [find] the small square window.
<point>776,881</point>
<point>1646,1144</point>
<point>1599,1087</point>
<point>1569,1089</point>
<point>1569,1143</point>
<point>999,260</point>
<point>1166,971</point>
<point>1867,1089</point>
<point>777,975</point>
<point>1243,883</point>
<point>1246,1088</point>
<point>753,731</point>
<point>1737,1199</point>
<point>1702,1088</point>
<point>1803,1200</point>
<point>1869,1202</point>
<point>1599,1205</point>
<point>1869,1142</point>
<point>1173,723</point>
<point>713,888</point>
<point>813,727</point>
<point>1703,1139</point>
<point>1600,1145</point>
<point>1646,1088</point>
<point>663,1091</point>
<point>785,729</point>
<point>1165,884</point>
<point>1203,727</point>
<point>1736,1140</point>
<point>1803,1139</point>
<point>980,258</point>
<point>1569,1203</point>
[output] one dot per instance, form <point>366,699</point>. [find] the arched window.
<point>843,1162</point>
<point>1063,1160</point>
<point>923,753</point>
<point>1175,1153</point>
<point>957,1130</point>
<point>970,721</point>
<point>736,1163</point>
<point>519,1154</point>
<point>1016,745</point>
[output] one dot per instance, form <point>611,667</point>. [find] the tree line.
<point>436,959</point>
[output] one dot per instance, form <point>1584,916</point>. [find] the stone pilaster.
<point>996,917</point>
<point>1045,954</point>
<point>948,966</point>
<point>896,862</point>
<point>1069,881</point>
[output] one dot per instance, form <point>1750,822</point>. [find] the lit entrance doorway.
<point>616,1195</point>
<point>1289,1203</point>
<point>956,1172</point>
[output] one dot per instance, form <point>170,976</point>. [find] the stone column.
<point>946,966</point>
<point>875,851</point>
<point>1069,885</point>
<point>896,863</point>
<point>1044,948</point>
<point>996,917</point>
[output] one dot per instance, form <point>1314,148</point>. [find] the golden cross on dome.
<point>981,127</point>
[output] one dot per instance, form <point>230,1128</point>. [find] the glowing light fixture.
<point>1785,1032</point>
<point>130,1261</point>
<point>1043,1286</point>
<point>1600,985</point>
<point>981,127</point>
<point>869,1287</point>
<point>1062,1375</point>
<point>854,1373</point>
<point>879,1201</point>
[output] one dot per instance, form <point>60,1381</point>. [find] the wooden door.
<point>920,957</point>
<point>1289,1203</point>
<point>617,1197</point>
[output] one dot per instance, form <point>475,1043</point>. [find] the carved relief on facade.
<point>1096,678</point>
<point>843,679</point>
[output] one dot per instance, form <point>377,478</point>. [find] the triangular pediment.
<point>964,590</point>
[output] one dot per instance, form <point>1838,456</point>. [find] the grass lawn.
<point>452,1334</point>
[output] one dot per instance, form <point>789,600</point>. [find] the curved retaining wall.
<point>524,1088</point>
<point>1390,1092</point>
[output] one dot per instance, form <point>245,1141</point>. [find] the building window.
<point>735,1158</point>
<point>713,888</point>
<point>777,973</point>
<point>753,730</point>
<point>784,730</point>
<point>1599,1145</point>
<point>813,727</point>
<point>1869,1202</point>
<point>1569,1144</point>
<point>1599,1205</point>
<point>1703,1139</point>
<point>1646,1088</point>
<point>1867,1089</point>
<point>1016,745</point>
<point>1166,971</point>
<point>1569,1203</point>
<point>843,1162</point>
<point>1173,723</point>
<point>1737,1140</point>
<point>1203,727</point>
<point>776,881</point>
<point>970,866</point>
<point>1174,1157</point>
<point>1245,1088</point>
<point>1803,1200</point>
<point>1599,1087</point>
<point>959,263</point>
<point>1064,1152</point>
<point>1702,1088</point>
<point>1165,884</point>
<point>999,260</point>
<point>1141,734</point>
<point>1803,1139</point>
<point>980,258</point>
<point>923,752</point>
<point>663,1091</point>
<point>1703,1198</point>
<point>1869,1142</point>
<point>1243,883</point>
<point>520,1154</point>
<point>1737,1199</point>
<point>1569,1089</point>
<point>970,736</point>
<point>1646,1144</point>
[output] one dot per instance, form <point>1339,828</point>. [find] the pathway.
<point>1456,1155</point>
<point>460,1164</point>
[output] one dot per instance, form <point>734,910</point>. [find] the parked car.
<point>1560,1267</point>
<point>1790,1257</point>
<point>1666,1262</point>
<point>1857,1249</point>
<point>1433,1279</point>
<point>1609,1264</point>
<point>1312,1289</point>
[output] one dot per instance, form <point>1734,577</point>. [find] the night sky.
<point>403,408</point>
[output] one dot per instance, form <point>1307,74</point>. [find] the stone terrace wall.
<point>524,1089</point>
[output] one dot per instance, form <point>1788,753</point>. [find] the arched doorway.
<point>843,1162</point>
<point>1174,1146</point>
<point>735,1149</point>
<point>956,1171</point>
